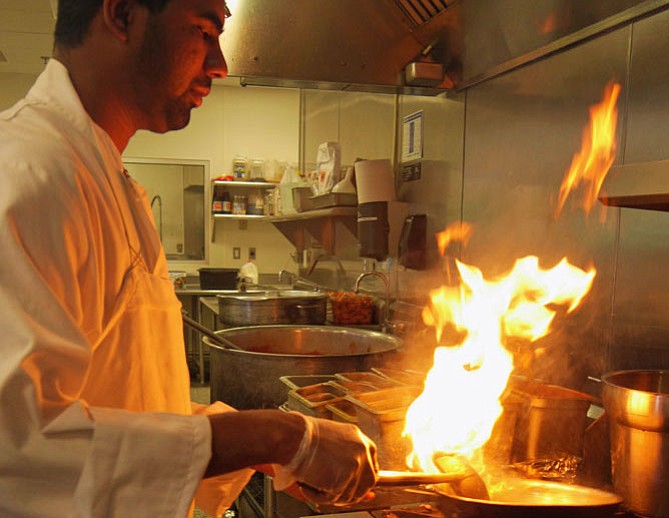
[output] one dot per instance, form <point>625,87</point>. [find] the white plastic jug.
<point>249,273</point>
<point>345,186</point>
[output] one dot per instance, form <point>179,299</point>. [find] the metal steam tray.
<point>312,400</point>
<point>304,380</point>
<point>371,378</point>
<point>402,377</point>
<point>381,417</point>
<point>343,411</point>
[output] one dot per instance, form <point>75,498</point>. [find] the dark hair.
<point>75,16</point>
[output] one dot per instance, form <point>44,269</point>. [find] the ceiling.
<point>26,35</point>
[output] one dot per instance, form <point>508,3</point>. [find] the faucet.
<point>384,278</point>
<point>291,277</point>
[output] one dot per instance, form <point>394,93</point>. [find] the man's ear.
<point>117,16</point>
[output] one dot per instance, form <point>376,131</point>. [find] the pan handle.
<point>389,478</point>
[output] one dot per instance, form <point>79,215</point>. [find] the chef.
<point>95,416</point>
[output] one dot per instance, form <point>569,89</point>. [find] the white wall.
<point>257,121</point>
<point>13,87</point>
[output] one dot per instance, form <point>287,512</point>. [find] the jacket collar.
<point>55,91</point>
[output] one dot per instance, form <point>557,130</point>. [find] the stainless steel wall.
<point>520,131</point>
<point>496,152</point>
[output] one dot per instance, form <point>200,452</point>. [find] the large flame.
<point>461,401</point>
<point>598,152</point>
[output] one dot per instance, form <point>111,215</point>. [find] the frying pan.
<point>521,498</point>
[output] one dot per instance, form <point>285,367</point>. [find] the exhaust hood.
<point>407,46</point>
<point>363,45</point>
<point>643,185</point>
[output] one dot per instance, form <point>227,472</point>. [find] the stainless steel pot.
<point>272,307</point>
<point>249,378</point>
<point>637,405</point>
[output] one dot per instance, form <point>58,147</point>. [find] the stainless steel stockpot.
<point>248,377</point>
<point>272,307</point>
<point>637,405</point>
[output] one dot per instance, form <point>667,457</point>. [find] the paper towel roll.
<point>374,180</point>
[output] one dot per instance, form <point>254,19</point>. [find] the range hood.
<point>407,46</point>
<point>365,45</point>
<point>643,185</point>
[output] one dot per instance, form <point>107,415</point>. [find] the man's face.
<point>175,63</point>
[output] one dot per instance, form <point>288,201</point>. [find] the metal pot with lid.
<point>272,307</point>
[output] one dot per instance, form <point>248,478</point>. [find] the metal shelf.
<point>240,216</point>
<point>232,183</point>
<point>643,185</point>
<point>332,227</point>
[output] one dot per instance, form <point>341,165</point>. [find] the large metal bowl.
<point>249,378</point>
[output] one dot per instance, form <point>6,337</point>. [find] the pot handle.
<point>300,310</point>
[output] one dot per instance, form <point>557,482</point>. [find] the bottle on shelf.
<point>226,203</point>
<point>217,201</point>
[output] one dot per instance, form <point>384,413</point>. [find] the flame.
<point>461,400</point>
<point>598,147</point>
<point>460,232</point>
<point>455,232</point>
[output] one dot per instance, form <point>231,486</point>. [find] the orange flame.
<point>461,401</point>
<point>598,147</point>
<point>455,232</point>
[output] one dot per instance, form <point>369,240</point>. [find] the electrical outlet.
<point>252,253</point>
<point>236,252</point>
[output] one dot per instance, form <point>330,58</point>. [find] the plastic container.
<point>257,170</point>
<point>240,168</point>
<point>290,180</point>
<point>351,308</point>
<point>256,204</point>
<point>249,272</point>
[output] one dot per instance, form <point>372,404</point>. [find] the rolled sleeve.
<point>148,462</point>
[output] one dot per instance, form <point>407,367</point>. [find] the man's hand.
<point>335,463</point>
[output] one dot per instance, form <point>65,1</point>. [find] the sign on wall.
<point>412,146</point>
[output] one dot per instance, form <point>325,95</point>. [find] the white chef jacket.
<point>93,376</point>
